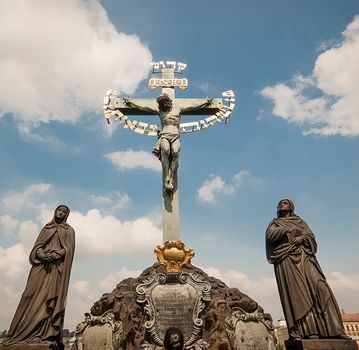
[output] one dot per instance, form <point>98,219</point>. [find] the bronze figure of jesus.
<point>168,146</point>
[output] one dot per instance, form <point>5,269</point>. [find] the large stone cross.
<point>169,109</point>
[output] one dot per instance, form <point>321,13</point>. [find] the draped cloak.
<point>308,303</point>
<point>40,313</point>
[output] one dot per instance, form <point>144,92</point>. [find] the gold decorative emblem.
<point>174,255</point>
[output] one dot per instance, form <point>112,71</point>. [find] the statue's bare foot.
<point>169,185</point>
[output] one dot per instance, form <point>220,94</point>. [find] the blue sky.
<point>293,66</point>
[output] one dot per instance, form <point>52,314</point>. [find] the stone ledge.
<point>23,346</point>
<point>321,344</point>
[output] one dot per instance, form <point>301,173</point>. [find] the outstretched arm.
<point>130,103</point>
<point>198,106</point>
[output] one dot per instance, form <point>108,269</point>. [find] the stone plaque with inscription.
<point>97,337</point>
<point>210,314</point>
<point>99,332</point>
<point>252,336</point>
<point>174,305</point>
<point>249,331</point>
<point>174,301</point>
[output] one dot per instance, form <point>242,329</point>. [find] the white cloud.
<point>326,102</point>
<point>112,279</point>
<point>80,298</point>
<point>9,224</point>
<point>212,186</point>
<point>17,200</point>
<point>97,236</point>
<point>346,290</point>
<point>203,86</point>
<point>263,291</point>
<point>103,235</point>
<point>82,287</point>
<point>115,201</point>
<point>217,186</point>
<point>14,267</point>
<point>83,294</point>
<point>53,143</point>
<point>240,178</point>
<point>28,232</point>
<point>292,105</point>
<point>39,201</point>
<point>96,233</point>
<point>59,57</point>
<point>129,160</point>
<point>12,262</point>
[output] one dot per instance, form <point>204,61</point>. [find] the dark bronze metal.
<point>38,321</point>
<point>309,306</point>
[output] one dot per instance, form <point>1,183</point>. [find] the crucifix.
<point>170,110</point>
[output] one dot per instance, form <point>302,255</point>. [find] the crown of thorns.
<point>164,98</point>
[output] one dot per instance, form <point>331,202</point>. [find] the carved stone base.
<point>22,346</point>
<point>99,332</point>
<point>211,315</point>
<point>321,344</point>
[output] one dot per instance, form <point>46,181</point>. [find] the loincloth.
<point>170,137</point>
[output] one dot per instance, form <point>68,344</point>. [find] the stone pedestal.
<point>23,346</point>
<point>321,344</point>
<point>211,316</point>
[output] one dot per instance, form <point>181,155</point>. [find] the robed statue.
<point>39,317</point>
<point>309,306</point>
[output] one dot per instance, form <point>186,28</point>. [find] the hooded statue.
<point>40,314</point>
<point>309,306</point>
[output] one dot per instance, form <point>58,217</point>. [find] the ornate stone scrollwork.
<point>174,301</point>
<point>103,328</point>
<point>249,330</point>
<point>210,314</point>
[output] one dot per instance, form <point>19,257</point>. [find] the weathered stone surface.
<point>22,346</point>
<point>174,305</point>
<point>164,297</point>
<point>249,331</point>
<point>174,300</point>
<point>99,332</point>
<point>97,337</point>
<point>321,344</point>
